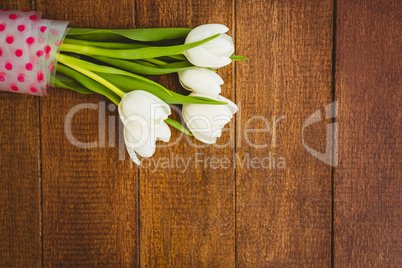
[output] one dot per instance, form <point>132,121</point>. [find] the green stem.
<point>112,45</point>
<point>101,69</point>
<point>86,82</point>
<point>133,54</point>
<point>178,57</point>
<point>142,62</point>
<point>65,60</point>
<point>155,61</point>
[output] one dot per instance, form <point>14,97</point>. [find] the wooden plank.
<point>89,196</point>
<point>367,201</point>
<point>20,192</point>
<point>283,214</point>
<point>187,215</point>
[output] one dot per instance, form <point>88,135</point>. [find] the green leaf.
<point>155,61</point>
<point>64,81</point>
<point>142,62</point>
<point>145,35</point>
<point>68,61</point>
<point>178,57</point>
<point>128,84</point>
<point>146,69</point>
<point>88,83</point>
<point>110,70</point>
<point>133,54</point>
<point>108,44</point>
<point>178,126</point>
<point>236,58</point>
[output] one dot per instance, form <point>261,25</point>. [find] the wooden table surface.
<point>61,205</point>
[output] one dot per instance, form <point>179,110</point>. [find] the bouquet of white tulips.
<point>112,62</point>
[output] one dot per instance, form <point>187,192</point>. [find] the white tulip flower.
<point>215,53</point>
<point>207,121</point>
<point>201,80</point>
<point>143,115</point>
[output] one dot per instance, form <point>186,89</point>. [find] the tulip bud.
<point>207,121</point>
<point>215,53</point>
<point>143,115</point>
<point>201,80</point>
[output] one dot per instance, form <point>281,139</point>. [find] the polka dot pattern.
<point>18,53</point>
<point>39,53</point>
<point>9,40</point>
<point>30,40</point>
<point>29,66</point>
<point>28,46</point>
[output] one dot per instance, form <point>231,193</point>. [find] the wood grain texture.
<point>101,211</point>
<point>283,215</point>
<point>187,215</point>
<point>89,196</point>
<point>367,215</point>
<point>20,210</point>
<point>20,192</point>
